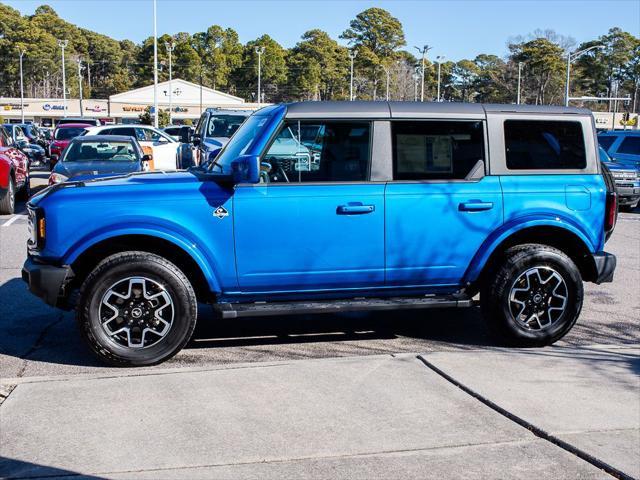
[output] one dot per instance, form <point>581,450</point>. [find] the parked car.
<point>34,152</point>
<point>174,131</point>
<point>623,146</point>
<point>408,205</point>
<point>212,132</point>
<point>626,178</point>
<point>34,134</point>
<point>14,174</point>
<point>62,136</point>
<point>89,121</point>
<point>94,156</point>
<point>161,146</point>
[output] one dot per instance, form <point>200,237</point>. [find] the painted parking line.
<point>13,219</point>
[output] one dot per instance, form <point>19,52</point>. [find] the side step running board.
<point>264,309</point>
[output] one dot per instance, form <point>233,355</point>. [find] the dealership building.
<point>187,103</point>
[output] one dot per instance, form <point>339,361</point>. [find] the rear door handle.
<point>475,206</point>
<point>354,209</point>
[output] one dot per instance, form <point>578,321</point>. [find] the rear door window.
<point>630,145</point>
<point>128,131</point>
<point>436,150</point>
<point>544,145</point>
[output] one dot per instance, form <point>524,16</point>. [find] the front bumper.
<point>605,266</point>
<point>46,281</point>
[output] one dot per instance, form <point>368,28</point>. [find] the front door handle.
<point>354,209</point>
<point>474,206</point>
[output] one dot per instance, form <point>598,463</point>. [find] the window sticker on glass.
<point>439,153</point>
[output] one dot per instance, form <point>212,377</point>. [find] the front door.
<point>440,207</point>
<point>165,149</point>
<point>314,223</point>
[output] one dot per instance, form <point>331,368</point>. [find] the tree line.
<point>317,67</point>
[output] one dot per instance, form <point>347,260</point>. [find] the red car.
<point>14,174</point>
<point>62,136</point>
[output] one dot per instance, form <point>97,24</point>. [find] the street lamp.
<point>519,79</point>
<point>80,85</point>
<point>155,64</point>
<point>439,58</point>
<point>63,44</point>
<point>22,52</point>
<point>570,58</point>
<point>352,56</point>
<point>259,51</point>
<point>170,46</point>
<point>423,51</point>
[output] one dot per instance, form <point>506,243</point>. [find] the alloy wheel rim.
<point>136,312</point>
<point>12,197</point>
<point>538,298</point>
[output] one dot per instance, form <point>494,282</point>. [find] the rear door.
<point>440,206</point>
<point>315,222</point>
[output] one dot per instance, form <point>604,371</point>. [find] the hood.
<point>618,166</point>
<point>91,169</point>
<point>214,143</point>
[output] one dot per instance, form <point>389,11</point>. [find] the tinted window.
<point>128,131</point>
<point>224,125</point>
<point>606,142</point>
<point>433,150</point>
<point>630,145</point>
<point>68,133</point>
<point>319,152</point>
<point>103,151</point>
<point>544,145</point>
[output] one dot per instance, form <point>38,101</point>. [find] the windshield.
<point>103,151</point>
<point>224,125</point>
<point>69,133</point>
<point>240,142</point>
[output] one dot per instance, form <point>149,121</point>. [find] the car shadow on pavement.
<point>12,468</point>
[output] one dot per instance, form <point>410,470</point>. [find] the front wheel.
<point>8,199</point>
<point>136,309</point>
<point>534,297</point>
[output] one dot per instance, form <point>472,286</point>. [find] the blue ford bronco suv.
<point>333,206</point>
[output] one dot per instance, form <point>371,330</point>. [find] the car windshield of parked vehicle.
<point>101,151</point>
<point>240,142</point>
<point>606,141</point>
<point>224,125</point>
<point>68,133</point>
<point>630,146</point>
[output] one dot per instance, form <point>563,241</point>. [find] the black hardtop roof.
<point>384,109</point>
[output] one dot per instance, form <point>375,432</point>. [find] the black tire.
<point>119,268</point>
<point>8,199</point>
<point>522,264</point>
<point>25,191</point>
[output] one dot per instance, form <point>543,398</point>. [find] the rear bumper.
<point>605,266</point>
<point>46,281</point>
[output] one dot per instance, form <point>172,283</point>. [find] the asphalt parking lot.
<point>36,340</point>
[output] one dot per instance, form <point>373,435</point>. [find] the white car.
<point>164,149</point>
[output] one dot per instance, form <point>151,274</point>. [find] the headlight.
<point>57,178</point>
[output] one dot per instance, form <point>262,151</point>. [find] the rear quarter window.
<point>544,145</point>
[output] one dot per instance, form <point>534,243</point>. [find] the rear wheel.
<point>136,309</point>
<point>534,297</point>
<point>8,200</point>
<point>25,191</point>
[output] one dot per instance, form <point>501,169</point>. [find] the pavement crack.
<point>37,344</point>
<point>537,431</point>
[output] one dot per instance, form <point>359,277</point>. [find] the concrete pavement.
<point>379,416</point>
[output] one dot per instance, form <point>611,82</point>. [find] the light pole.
<point>423,51</point>
<point>80,85</point>
<point>63,44</point>
<point>22,51</point>
<point>259,51</point>
<point>352,56</point>
<point>570,58</point>
<point>439,58</point>
<point>155,64</point>
<point>519,79</point>
<point>170,46</point>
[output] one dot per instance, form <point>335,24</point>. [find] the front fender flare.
<point>181,240</point>
<point>517,225</point>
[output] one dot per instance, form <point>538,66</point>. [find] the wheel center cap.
<point>537,298</point>
<point>136,312</point>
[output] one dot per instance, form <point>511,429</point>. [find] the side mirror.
<point>195,139</point>
<point>246,169</point>
<point>185,134</point>
<point>146,162</point>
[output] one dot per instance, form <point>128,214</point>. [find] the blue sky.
<point>455,28</point>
